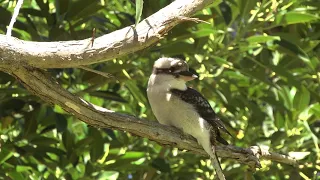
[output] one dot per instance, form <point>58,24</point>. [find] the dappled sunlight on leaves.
<point>258,64</point>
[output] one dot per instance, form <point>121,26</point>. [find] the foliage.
<point>258,63</point>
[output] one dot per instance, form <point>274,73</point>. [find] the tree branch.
<point>38,82</point>
<point>22,60</point>
<point>14,17</point>
<point>66,54</point>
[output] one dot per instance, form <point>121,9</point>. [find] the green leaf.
<point>133,155</point>
<point>299,155</point>
<point>5,155</point>
<point>30,124</point>
<point>262,38</point>
<point>278,137</point>
<point>177,48</point>
<point>125,160</point>
<point>81,9</point>
<point>61,122</point>
<point>286,97</point>
<point>292,49</point>
<point>80,145</point>
<point>256,74</point>
<point>161,165</point>
<point>40,140</point>
<point>42,150</point>
<point>33,12</point>
<point>13,90</point>
<point>4,77</point>
<point>136,92</point>
<point>279,121</point>
<point>139,8</point>
<point>270,99</point>
<point>68,139</point>
<point>62,7</point>
<point>16,175</point>
<point>97,147</point>
<point>286,75</point>
<point>12,104</point>
<point>287,18</point>
<point>245,6</point>
<point>44,7</point>
<point>110,175</point>
<point>301,99</point>
<point>108,95</point>
<point>21,168</point>
<point>315,109</point>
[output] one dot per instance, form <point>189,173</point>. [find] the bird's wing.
<point>204,109</point>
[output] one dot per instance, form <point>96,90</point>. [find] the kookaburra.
<point>175,104</point>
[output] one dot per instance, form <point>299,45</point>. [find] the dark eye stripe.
<point>166,71</point>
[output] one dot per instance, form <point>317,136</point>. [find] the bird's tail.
<point>216,164</point>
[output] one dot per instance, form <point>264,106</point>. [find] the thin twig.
<point>216,164</point>
<point>106,75</point>
<point>14,17</point>
<point>197,20</point>
<point>93,36</point>
<point>179,19</point>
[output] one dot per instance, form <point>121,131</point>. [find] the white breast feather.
<point>171,110</point>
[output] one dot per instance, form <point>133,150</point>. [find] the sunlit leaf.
<point>279,120</point>
<point>262,39</point>
<point>301,99</point>
<point>299,155</point>
<point>20,168</point>
<point>139,7</point>
<point>5,155</point>
<point>294,18</point>
<point>110,175</point>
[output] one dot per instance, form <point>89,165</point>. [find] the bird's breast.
<point>171,110</point>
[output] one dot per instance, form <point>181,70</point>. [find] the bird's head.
<point>170,73</point>
<point>173,67</point>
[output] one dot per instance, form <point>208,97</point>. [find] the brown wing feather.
<point>204,109</point>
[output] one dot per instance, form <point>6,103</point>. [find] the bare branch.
<point>216,165</point>
<point>14,17</point>
<point>106,75</point>
<point>118,43</point>
<point>38,82</point>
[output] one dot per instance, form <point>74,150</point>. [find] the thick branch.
<point>118,43</point>
<point>22,58</point>
<point>48,89</point>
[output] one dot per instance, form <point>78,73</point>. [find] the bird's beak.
<point>187,75</point>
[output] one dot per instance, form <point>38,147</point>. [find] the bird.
<point>175,104</point>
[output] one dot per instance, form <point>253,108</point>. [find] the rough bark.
<point>66,54</point>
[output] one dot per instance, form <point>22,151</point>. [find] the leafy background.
<point>258,63</point>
